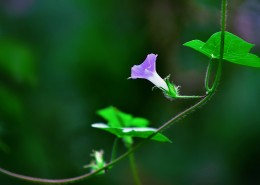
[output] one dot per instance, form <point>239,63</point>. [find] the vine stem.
<point>114,149</point>
<point>110,164</point>
<point>160,129</point>
<point>208,73</point>
<point>222,43</point>
<point>189,97</point>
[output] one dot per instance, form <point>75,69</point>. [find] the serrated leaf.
<point>236,50</point>
<point>140,132</point>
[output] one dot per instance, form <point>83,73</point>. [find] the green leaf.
<point>145,133</point>
<point>236,50</point>
<point>139,122</point>
<point>116,118</point>
<point>197,45</point>
<point>125,125</point>
<point>113,130</point>
<point>140,132</point>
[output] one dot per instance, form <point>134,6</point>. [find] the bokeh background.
<point>62,60</point>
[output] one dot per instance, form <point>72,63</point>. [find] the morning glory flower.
<point>147,70</point>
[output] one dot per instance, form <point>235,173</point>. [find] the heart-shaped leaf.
<point>236,50</point>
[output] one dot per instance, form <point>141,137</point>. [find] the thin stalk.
<point>222,43</point>
<point>137,179</point>
<point>208,74</point>
<point>222,47</point>
<point>189,97</point>
<point>160,129</point>
<point>114,149</point>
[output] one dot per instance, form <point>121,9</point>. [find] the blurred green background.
<point>62,60</point>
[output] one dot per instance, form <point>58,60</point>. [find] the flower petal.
<point>158,81</point>
<point>146,69</point>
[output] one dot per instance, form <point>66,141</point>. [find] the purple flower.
<point>147,71</point>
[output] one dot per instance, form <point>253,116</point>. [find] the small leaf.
<point>140,132</point>
<point>197,45</point>
<point>236,50</point>
<point>114,117</point>
<point>145,133</point>
<point>117,118</point>
<point>139,122</point>
<point>116,131</point>
<point>126,126</point>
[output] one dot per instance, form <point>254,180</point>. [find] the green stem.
<point>134,169</point>
<point>208,73</point>
<point>189,97</point>
<point>160,129</point>
<point>222,43</point>
<point>114,149</point>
